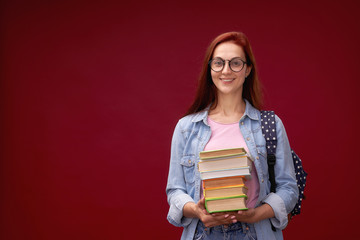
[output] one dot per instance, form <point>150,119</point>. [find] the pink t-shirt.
<point>230,136</point>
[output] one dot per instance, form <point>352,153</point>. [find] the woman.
<point>225,114</point>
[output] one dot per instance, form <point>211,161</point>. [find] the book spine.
<point>229,186</point>
<point>222,153</point>
<point>238,157</point>
<point>226,169</point>
<point>204,177</point>
<point>220,198</point>
<point>227,210</point>
<point>231,162</point>
<point>224,178</point>
<point>222,156</point>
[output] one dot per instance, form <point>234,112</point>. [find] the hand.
<point>214,219</point>
<point>253,215</point>
<point>247,216</point>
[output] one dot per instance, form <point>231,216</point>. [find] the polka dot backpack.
<point>269,132</point>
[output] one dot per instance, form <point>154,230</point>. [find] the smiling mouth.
<point>227,79</point>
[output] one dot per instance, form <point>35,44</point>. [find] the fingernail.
<point>226,215</point>
<point>234,221</point>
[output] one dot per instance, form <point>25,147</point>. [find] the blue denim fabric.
<point>236,231</point>
<point>190,136</point>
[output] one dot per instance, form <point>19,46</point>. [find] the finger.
<point>201,203</point>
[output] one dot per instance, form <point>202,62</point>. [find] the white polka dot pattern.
<point>269,132</point>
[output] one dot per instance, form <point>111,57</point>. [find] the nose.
<point>226,69</point>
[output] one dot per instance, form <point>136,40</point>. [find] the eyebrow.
<point>227,59</point>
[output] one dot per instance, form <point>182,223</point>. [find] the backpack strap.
<point>268,128</point>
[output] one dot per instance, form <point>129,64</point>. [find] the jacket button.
<point>262,180</point>
<point>242,123</point>
<point>257,157</point>
<point>189,161</point>
<point>247,139</point>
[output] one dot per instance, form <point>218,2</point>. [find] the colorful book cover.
<point>226,204</point>
<point>243,171</point>
<point>222,153</point>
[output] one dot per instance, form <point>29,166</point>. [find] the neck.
<point>229,108</point>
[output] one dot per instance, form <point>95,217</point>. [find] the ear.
<point>248,70</point>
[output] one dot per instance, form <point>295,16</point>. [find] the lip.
<point>227,79</point>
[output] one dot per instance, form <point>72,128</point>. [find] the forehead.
<point>228,50</point>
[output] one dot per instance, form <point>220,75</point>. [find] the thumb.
<point>201,203</point>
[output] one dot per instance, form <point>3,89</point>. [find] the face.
<point>227,81</point>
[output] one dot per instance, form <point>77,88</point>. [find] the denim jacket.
<point>192,133</point>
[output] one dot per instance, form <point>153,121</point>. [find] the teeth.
<point>227,80</point>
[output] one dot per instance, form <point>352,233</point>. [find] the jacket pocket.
<point>261,150</point>
<point>188,164</point>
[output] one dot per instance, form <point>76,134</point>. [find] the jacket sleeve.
<point>286,196</point>
<point>176,186</point>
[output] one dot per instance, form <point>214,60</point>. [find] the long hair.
<point>206,92</point>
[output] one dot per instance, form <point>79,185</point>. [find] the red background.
<point>91,93</point>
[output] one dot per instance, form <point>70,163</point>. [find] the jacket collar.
<point>250,111</point>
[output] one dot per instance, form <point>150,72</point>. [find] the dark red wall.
<point>91,92</point>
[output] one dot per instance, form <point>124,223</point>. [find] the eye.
<point>217,62</point>
<point>236,62</point>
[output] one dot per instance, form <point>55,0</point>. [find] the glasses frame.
<point>224,62</point>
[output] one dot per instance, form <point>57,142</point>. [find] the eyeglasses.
<point>235,64</point>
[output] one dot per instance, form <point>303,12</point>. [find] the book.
<point>242,171</point>
<point>226,191</point>
<point>224,173</point>
<point>224,163</point>
<point>226,204</point>
<point>223,182</point>
<point>222,153</point>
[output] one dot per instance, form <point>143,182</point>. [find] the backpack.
<point>268,128</point>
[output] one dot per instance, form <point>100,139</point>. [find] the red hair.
<point>206,91</point>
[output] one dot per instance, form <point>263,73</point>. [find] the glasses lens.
<point>236,65</point>
<point>217,65</point>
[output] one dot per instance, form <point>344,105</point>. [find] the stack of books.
<point>224,173</point>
